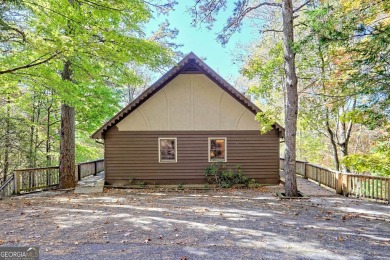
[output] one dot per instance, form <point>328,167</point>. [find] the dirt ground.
<point>230,224</point>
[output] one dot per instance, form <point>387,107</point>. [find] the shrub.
<point>252,184</point>
<point>142,184</point>
<point>218,173</point>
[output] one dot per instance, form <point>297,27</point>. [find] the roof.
<point>190,64</point>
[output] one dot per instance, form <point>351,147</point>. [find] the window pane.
<point>213,144</point>
<point>217,149</point>
<point>167,149</point>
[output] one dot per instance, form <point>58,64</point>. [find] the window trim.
<point>159,150</point>
<point>209,146</point>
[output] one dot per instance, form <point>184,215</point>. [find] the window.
<point>217,149</point>
<point>167,150</point>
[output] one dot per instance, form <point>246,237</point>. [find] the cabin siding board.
<point>134,154</point>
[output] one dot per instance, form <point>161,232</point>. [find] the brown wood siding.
<point>135,155</point>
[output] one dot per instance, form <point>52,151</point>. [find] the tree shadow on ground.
<point>199,225</point>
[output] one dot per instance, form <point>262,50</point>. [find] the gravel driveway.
<point>230,224</point>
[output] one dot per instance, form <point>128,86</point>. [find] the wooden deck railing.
<point>31,179</point>
<point>27,180</point>
<point>357,185</point>
<point>90,168</point>
<point>367,186</point>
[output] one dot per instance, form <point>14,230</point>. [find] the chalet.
<point>186,120</point>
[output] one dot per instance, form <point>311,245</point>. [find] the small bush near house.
<point>252,184</point>
<point>218,173</point>
<point>142,184</point>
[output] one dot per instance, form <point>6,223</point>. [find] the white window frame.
<point>159,150</point>
<point>217,160</point>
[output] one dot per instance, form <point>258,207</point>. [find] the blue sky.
<point>203,42</point>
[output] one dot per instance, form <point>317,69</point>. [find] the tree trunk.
<point>344,152</point>
<point>7,140</point>
<point>335,154</point>
<point>48,158</point>
<point>328,128</point>
<point>32,134</point>
<point>36,137</point>
<point>67,148</point>
<point>333,143</point>
<point>67,145</point>
<point>292,100</point>
<point>48,142</point>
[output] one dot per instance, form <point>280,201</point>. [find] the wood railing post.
<point>388,192</point>
<point>304,170</point>
<point>47,177</point>
<point>95,172</point>
<point>78,171</point>
<point>17,182</point>
<point>345,184</point>
<point>339,183</point>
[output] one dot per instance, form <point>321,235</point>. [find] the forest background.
<point>112,52</point>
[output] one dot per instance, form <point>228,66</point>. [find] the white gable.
<point>190,102</point>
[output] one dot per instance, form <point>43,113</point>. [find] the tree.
<point>342,75</point>
<point>351,42</point>
<point>205,11</point>
<point>91,43</point>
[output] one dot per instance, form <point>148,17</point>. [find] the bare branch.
<point>301,6</point>
<point>91,3</point>
<point>18,31</point>
<point>31,64</point>
<point>271,30</point>
<point>249,9</point>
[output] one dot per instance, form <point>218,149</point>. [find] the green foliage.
<point>87,149</point>
<point>105,46</point>
<point>224,177</point>
<point>342,64</point>
<point>252,184</point>
<point>377,162</point>
<point>142,184</point>
<point>357,33</point>
<point>265,70</point>
<point>266,120</point>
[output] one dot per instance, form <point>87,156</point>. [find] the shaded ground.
<point>234,224</point>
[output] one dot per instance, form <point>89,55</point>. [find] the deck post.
<point>17,183</point>
<point>339,183</point>
<point>95,164</point>
<point>388,192</point>
<point>345,184</point>
<point>47,177</point>
<point>304,170</point>
<point>78,174</point>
